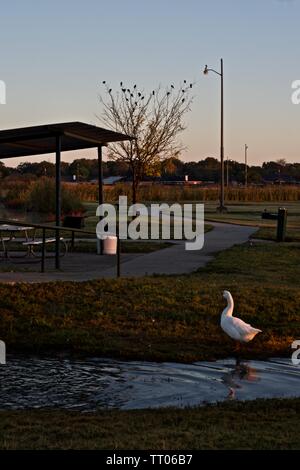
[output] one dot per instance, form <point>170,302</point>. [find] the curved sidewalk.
<point>177,260</point>
<point>172,260</point>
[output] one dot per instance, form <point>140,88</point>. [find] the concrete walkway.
<point>173,260</point>
<point>177,260</point>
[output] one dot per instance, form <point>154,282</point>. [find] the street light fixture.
<point>221,207</point>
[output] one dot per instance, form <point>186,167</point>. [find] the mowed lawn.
<point>164,317</point>
<point>261,424</point>
<point>249,213</point>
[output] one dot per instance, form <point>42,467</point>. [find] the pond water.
<point>96,383</point>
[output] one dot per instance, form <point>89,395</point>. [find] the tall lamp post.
<point>246,163</point>
<point>221,207</point>
<point>227,173</point>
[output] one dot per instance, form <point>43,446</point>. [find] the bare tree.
<point>281,161</point>
<point>154,120</point>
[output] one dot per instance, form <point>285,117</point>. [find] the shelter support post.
<point>100,189</point>
<point>57,200</point>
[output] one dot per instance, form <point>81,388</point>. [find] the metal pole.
<point>118,242</point>
<point>43,251</point>
<point>57,200</point>
<point>281,224</point>
<point>227,173</point>
<point>100,188</point>
<point>222,207</point>
<point>246,176</point>
<point>72,240</point>
<point>222,138</point>
<point>100,176</point>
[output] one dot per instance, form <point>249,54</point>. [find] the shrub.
<point>41,198</point>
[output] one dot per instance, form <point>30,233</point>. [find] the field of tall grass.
<point>88,192</point>
<point>19,194</point>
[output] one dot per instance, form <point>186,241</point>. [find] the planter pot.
<point>73,221</point>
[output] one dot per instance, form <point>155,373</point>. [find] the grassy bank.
<point>165,317</point>
<point>268,233</point>
<point>261,424</point>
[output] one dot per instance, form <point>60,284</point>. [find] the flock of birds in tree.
<point>141,96</point>
<point>234,327</point>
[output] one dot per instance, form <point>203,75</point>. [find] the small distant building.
<point>110,180</point>
<point>185,182</point>
<point>113,179</point>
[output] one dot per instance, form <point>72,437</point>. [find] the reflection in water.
<point>95,383</point>
<point>236,375</point>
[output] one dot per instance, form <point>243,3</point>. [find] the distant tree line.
<point>172,169</point>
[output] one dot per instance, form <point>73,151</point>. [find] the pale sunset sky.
<point>55,54</point>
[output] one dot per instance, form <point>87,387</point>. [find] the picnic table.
<point>8,234</point>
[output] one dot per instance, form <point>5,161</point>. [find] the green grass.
<point>162,317</point>
<point>260,424</point>
<point>268,233</point>
<point>250,213</point>
<point>247,213</point>
<point>238,212</point>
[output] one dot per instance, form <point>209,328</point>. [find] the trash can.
<point>110,243</point>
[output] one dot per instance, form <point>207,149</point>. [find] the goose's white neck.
<point>227,312</point>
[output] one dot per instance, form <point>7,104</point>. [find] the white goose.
<point>235,327</point>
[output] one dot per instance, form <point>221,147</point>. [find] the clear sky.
<point>54,55</point>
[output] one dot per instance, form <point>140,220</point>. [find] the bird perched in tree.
<point>104,82</point>
<point>110,90</point>
<point>234,327</point>
<point>172,86</point>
